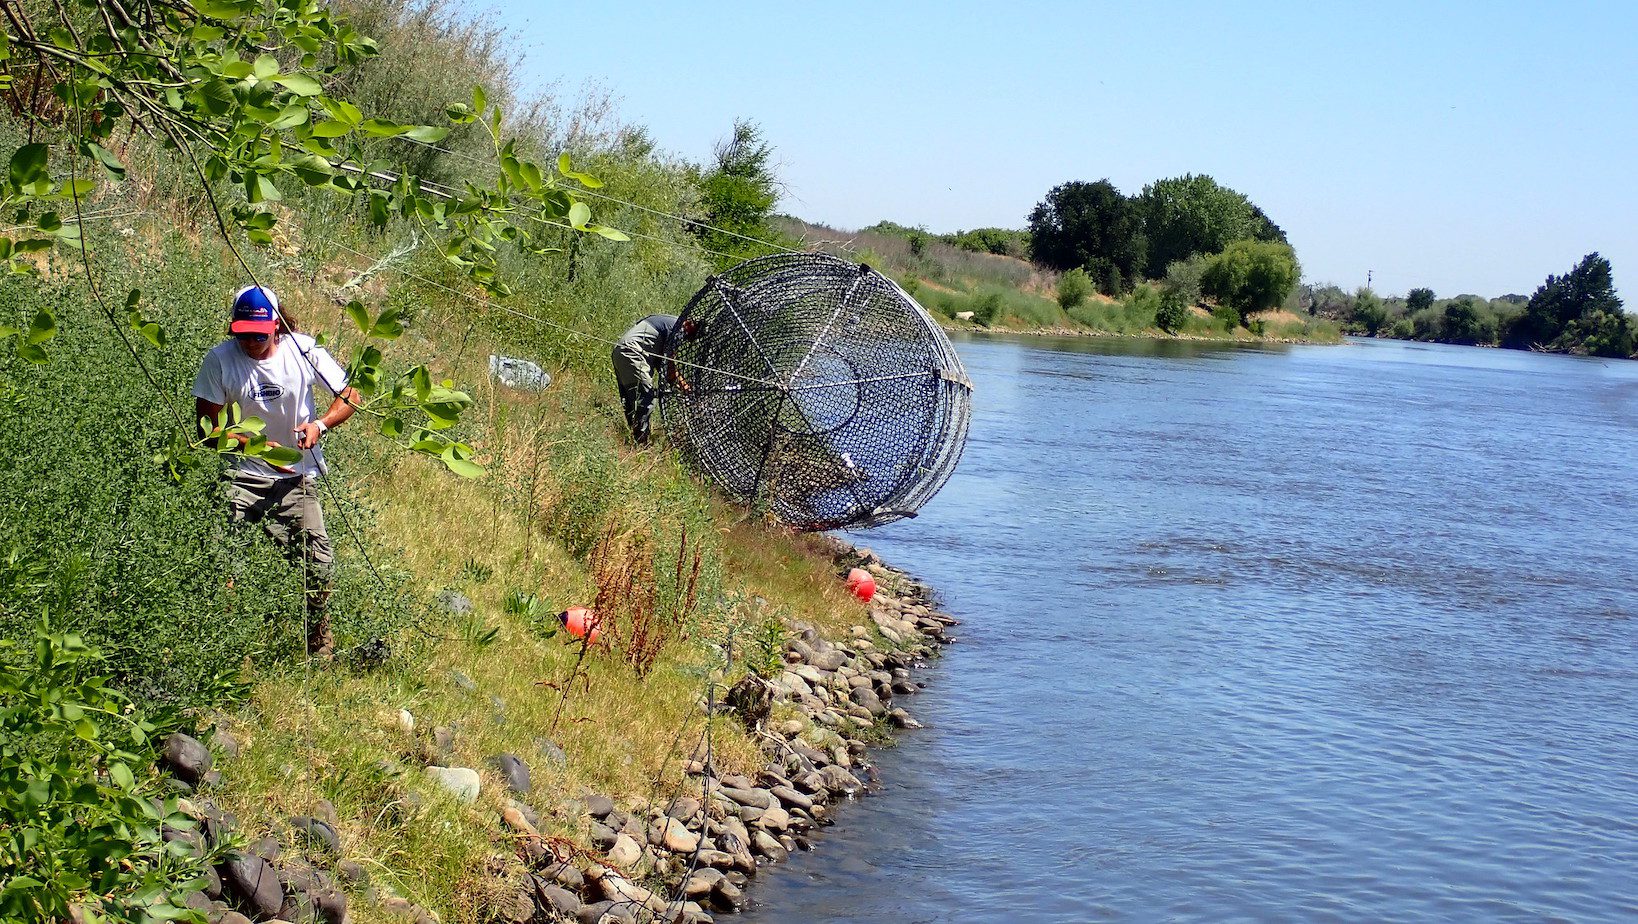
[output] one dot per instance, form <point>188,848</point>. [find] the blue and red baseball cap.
<point>255,311</point>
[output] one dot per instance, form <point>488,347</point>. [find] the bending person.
<point>268,370</point>
<point>638,356</point>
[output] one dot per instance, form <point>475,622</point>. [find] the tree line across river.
<point>1196,243</point>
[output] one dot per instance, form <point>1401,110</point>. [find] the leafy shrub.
<point>80,805</point>
<point>1183,278</point>
<point>987,309</point>
<point>1073,288</point>
<point>1250,276</point>
<point>1143,305</point>
<point>1227,318</point>
<point>145,562</point>
<point>1172,312</point>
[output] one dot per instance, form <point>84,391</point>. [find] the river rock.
<point>558,899</point>
<point>790,796</point>
<point>677,838</point>
<point>252,881</point>
<point>548,749</point>
<point>683,808</point>
<point>765,844</point>
<point>186,758</point>
<point>599,806</point>
<point>839,780</point>
<point>775,819</point>
<point>463,782</point>
<point>318,834</point>
<point>625,852</point>
<point>406,722</point>
<point>455,602</point>
<point>758,798</point>
<point>514,771</point>
<point>902,719</point>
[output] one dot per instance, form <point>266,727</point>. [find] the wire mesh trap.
<point>818,390</point>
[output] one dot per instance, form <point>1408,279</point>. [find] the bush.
<point>987,309</point>
<point>91,525</point>
<point>1226,317</point>
<point>80,804</point>
<point>1172,311</point>
<point>1073,288</point>
<point>1250,276</point>
<point>1183,278</point>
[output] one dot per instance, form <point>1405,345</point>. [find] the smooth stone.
<point>186,758</point>
<point>317,833</point>
<point>790,796</point>
<point>548,749</point>
<point>758,798</point>
<point>406,722</point>
<point>514,771</point>
<point>517,821</point>
<point>226,743</point>
<point>527,811</point>
<point>775,818</point>
<point>768,846</point>
<point>701,882</point>
<point>463,682</point>
<point>683,808</point>
<point>463,782</point>
<point>677,838</point>
<point>560,900</point>
<point>625,852</point>
<point>902,719</point>
<point>254,883</point>
<point>599,806</point>
<point>353,873</point>
<point>725,896</point>
<point>443,738</point>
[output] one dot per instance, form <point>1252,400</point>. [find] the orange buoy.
<point>580,621</point>
<point>861,584</point>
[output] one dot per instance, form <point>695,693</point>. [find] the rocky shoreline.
<point>686,859</point>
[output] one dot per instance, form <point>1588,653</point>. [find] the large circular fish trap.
<point>819,390</point>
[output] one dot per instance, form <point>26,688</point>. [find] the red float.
<point>861,584</point>
<point>579,621</point>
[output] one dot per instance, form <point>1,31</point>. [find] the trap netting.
<point>819,389</point>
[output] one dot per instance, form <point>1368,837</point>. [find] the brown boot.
<point>321,642</point>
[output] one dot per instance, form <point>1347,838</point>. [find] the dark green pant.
<point>288,509</point>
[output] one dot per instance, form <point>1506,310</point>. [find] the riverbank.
<point>1240,336</point>
<point>680,852</point>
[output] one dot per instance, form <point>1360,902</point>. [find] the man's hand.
<point>307,435</point>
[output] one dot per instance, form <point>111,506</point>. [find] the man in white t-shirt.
<point>269,370</point>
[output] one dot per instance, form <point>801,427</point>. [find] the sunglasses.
<point>253,338</point>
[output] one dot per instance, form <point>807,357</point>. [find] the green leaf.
<point>480,102</point>
<point>392,427</point>
<point>331,128</point>
<point>579,214</point>
<point>289,117</point>
<point>106,158</point>
<point>563,163</point>
<point>132,298</point>
<point>28,164</point>
<point>458,113</point>
<point>360,316</point>
<point>85,730</point>
<point>266,66</point>
<point>121,775</point>
<point>463,467</point>
<point>216,96</point>
<point>31,352</point>
<point>299,84</point>
<point>265,190</point>
<point>388,326</point>
<point>219,9</point>
<point>381,128</point>
<point>153,332</point>
<point>427,134</point>
<point>610,233</point>
<point>42,328</point>
<point>280,455</point>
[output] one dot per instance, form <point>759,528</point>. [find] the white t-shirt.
<point>278,389</point>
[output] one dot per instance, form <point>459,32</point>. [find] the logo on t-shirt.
<point>267,391</point>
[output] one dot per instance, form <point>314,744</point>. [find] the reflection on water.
<point>1297,633</point>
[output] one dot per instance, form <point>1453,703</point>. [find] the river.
<point>1257,634</point>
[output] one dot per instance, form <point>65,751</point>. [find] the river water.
<point>1308,633</point>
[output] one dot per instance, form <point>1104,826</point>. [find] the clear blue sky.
<point>1469,147</point>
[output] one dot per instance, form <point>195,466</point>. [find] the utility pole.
<point>1368,278</point>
